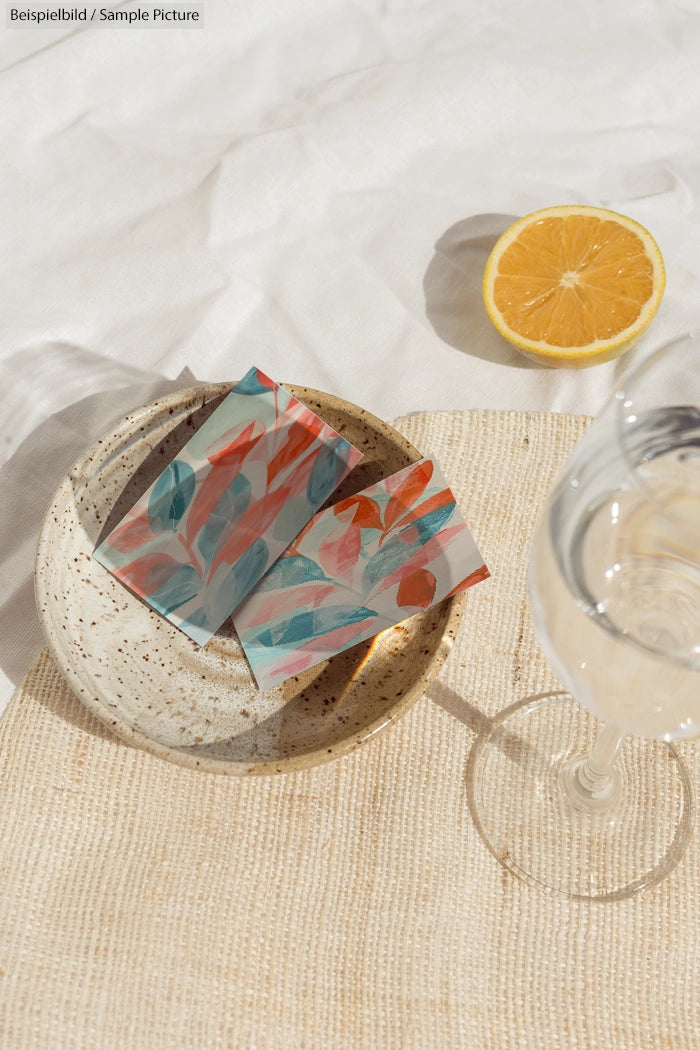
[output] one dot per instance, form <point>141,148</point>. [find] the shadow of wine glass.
<point>452,289</point>
<point>510,744</point>
<point>491,731</point>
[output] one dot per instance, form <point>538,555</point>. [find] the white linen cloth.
<point>313,188</point>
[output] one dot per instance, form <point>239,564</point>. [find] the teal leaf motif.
<point>327,471</point>
<point>431,523</point>
<point>171,496</point>
<point>250,566</point>
<point>230,584</point>
<point>197,619</point>
<point>228,509</point>
<point>182,585</point>
<point>291,571</point>
<point>397,550</point>
<point>388,559</point>
<point>198,627</point>
<point>250,383</point>
<point>310,624</point>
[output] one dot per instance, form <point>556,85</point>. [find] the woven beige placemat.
<point>351,906</point>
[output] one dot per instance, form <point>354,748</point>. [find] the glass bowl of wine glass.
<point>599,803</point>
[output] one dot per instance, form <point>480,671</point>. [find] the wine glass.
<point>589,797</point>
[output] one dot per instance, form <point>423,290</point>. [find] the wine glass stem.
<point>596,770</point>
<point>590,781</point>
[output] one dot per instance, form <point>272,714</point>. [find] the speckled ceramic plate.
<point>200,707</point>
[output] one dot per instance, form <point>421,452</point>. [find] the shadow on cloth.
<point>28,481</point>
<point>452,288</point>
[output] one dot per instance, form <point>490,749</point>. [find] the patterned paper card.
<point>359,567</point>
<point>220,514</point>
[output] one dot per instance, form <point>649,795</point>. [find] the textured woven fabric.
<point>350,906</point>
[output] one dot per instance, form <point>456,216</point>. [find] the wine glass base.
<point>521,810</point>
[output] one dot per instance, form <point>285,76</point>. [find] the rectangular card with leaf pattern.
<point>358,568</point>
<point>227,506</point>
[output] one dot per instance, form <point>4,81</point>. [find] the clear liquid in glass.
<point>615,577</point>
